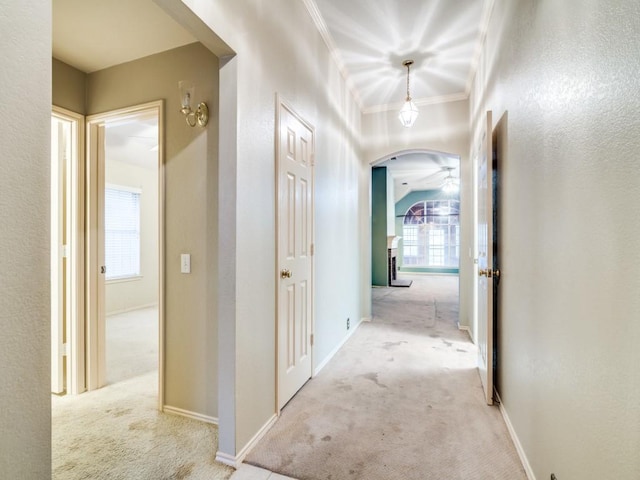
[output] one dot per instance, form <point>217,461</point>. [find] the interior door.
<point>485,260</point>
<point>96,270</point>
<point>295,249</point>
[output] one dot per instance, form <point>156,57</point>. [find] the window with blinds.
<point>122,232</point>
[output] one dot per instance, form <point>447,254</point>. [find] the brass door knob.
<point>285,273</point>
<point>482,272</point>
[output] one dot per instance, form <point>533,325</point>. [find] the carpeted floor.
<point>401,400</point>
<point>117,433</point>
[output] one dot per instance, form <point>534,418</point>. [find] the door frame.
<point>94,294</point>
<point>75,295</point>
<point>281,103</point>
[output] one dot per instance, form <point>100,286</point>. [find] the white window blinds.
<point>122,232</point>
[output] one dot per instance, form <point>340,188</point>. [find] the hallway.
<point>402,399</point>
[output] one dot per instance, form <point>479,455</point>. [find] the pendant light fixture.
<point>409,111</point>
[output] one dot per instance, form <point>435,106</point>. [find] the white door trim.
<point>95,351</point>
<point>74,348</point>
<point>281,103</point>
<point>75,253</point>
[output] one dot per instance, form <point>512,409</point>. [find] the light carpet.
<point>401,400</point>
<point>117,432</point>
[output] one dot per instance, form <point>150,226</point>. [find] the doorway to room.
<point>124,267</point>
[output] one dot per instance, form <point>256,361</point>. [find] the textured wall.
<point>25,116</point>
<point>280,51</point>
<point>570,289</point>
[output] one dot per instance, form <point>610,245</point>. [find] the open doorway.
<point>131,228</point>
<point>124,269</point>
<point>415,216</point>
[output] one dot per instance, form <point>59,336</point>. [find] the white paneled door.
<point>485,261</point>
<point>295,155</point>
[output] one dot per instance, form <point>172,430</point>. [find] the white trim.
<point>320,24</point>
<point>420,102</point>
<point>516,441</point>
<point>188,414</point>
<point>466,328</point>
<point>238,459</point>
<point>125,279</point>
<point>338,347</point>
<point>94,292</point>
<point>480,41</point>
<point>227,459</point>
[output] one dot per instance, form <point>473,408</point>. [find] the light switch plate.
<point>185,263</point>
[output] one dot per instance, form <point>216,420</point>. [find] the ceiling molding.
<point>321,25</point>
<point>420,102</point>
<point>487,12</point>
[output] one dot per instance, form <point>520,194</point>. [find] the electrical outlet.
<point>553,476</point>
<point>348,324</point>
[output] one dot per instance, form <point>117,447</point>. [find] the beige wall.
<point>25,116</point>
<point>69,86</point>
<point>190,198</point>
<point>570,302</point>
<point>122,296</point>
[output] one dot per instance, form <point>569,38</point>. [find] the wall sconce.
<point>198,116</point>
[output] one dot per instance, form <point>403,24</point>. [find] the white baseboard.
<point>239,458</point>
<point>186,413</point>
<point>516,441</point>
<point>465,328</point>
<point>227,459</point>
<point>338,347</point>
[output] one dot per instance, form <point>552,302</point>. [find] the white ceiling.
<point>368,38</point>
<point>133,140</point>
<point>371,39</point>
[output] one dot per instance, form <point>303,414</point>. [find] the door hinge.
<point>311,339</point>
<point>65,349</point>
<point>312,249</point>
<point>65,251</point>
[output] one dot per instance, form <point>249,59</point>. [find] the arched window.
<point>431,234</point>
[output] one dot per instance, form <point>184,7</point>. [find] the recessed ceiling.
<point>372,38</point>
<point>91,35</point>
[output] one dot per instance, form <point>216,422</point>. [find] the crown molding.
<point>487,12</point>
<point>420,102</point>
<point>321,25</point>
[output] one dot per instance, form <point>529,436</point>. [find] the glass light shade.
<point>408,114</point>
<point>186,94</point>
<point>451,185</point>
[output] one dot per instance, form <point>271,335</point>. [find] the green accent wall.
<point>401,208</point>
<point>379,274</point>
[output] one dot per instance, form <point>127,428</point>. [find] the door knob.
<point>286,273</point>
<point>482,272</point>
